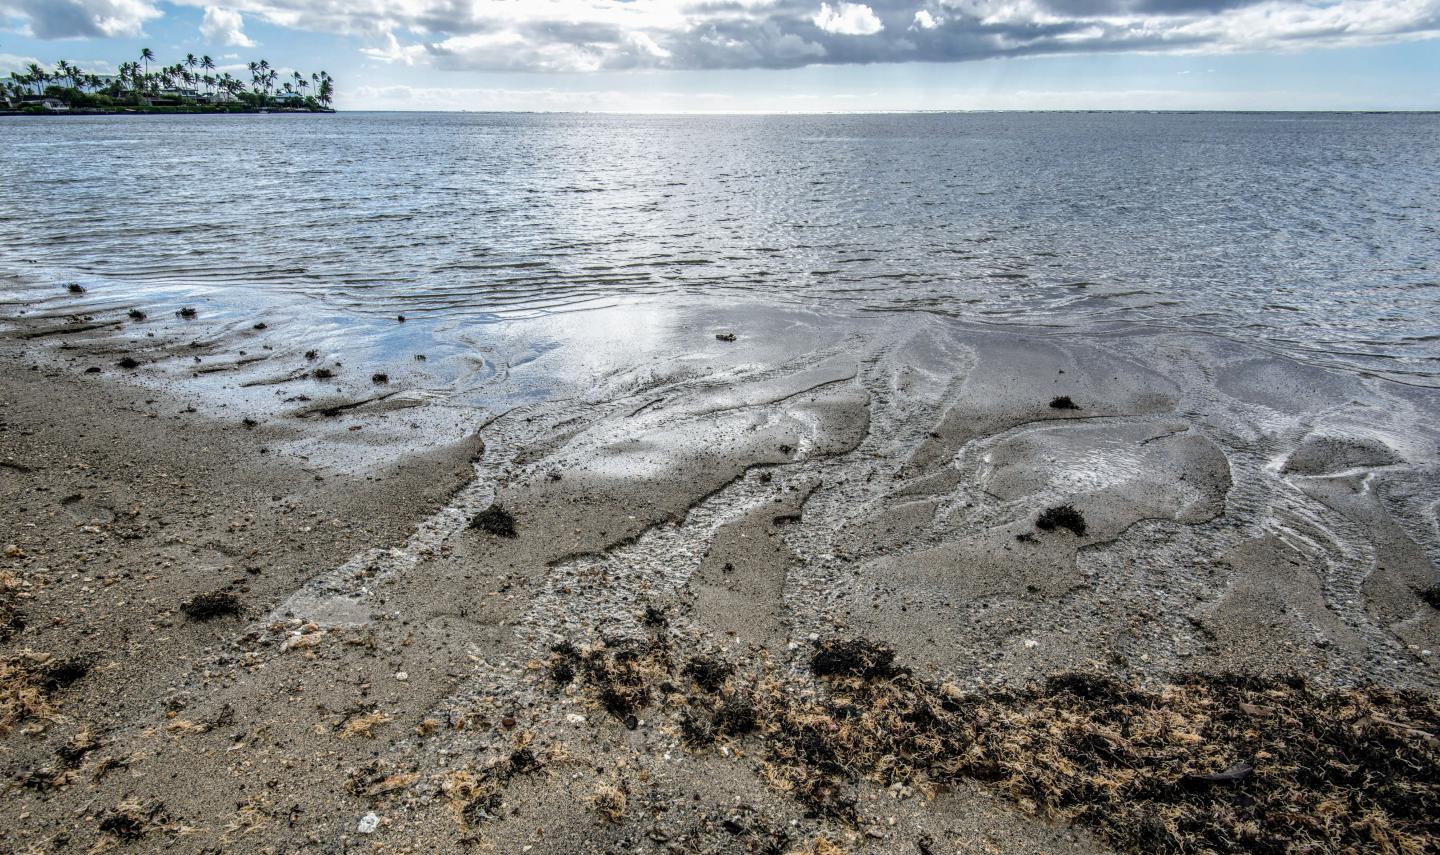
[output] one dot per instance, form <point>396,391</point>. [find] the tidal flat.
<point>777,581</point>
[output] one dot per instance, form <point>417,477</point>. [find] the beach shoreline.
<point>687,527</point>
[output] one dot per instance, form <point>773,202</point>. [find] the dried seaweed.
<point>1208,763</point>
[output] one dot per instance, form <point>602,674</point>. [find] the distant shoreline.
<point>154,111</point>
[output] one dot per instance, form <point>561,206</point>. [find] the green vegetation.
<point>188,86</point>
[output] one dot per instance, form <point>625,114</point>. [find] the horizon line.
<point>1076,110</point>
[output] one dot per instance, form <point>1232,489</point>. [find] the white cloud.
<point>393,51</point>
<point>225,26</point>
<point>606,35</point>
<point>987,98</point>
<point>11,62</point>
<point>848,19</point>
<point>80,19</point>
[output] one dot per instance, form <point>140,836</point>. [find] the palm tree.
<point>37,77</point>
<point>147,56</point>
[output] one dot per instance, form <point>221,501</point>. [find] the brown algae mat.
<point>1206,763</point>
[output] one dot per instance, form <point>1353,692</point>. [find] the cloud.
<point>80,19</point>
<point>225,26</point>
<point>848,19</point>
<point>655,100</point>
<point>13,62</point>
<point>599,35</point>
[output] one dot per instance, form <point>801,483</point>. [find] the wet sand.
<point>392,676</point>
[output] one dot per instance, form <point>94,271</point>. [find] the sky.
<point>778,55</point>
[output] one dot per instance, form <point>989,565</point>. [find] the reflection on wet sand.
<point>683,496</point>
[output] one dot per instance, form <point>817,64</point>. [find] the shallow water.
<point>1311,234</point>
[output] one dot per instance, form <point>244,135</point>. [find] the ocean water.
<point>1313,235</point>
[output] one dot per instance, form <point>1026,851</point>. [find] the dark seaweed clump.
<point>1063,402</point>
<point>1062,516</point>
<point>205,607</point>
<point>136,315</point>
<point>1431,596</point>
<point>12,619</point>
<point>379,378</point>
<point>495,520</point>
<point>709,673</point>
<point>75,288</point>
<point>186,312</point>
<point>323,373</point>
<point>853,658</point>
<point>132,820</point>
<point>61,673</point>
<point>128,362</point>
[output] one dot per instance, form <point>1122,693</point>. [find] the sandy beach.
<point>775,581</point>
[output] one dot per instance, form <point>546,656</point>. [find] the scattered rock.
<point>128,362</point>
<point>368,823</point>
<point>75,288</point>
<point>379,378</point>
<point>1063,402</point>
<point>186,312</point>
<point>136,315</point>
<point>725,336</point>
